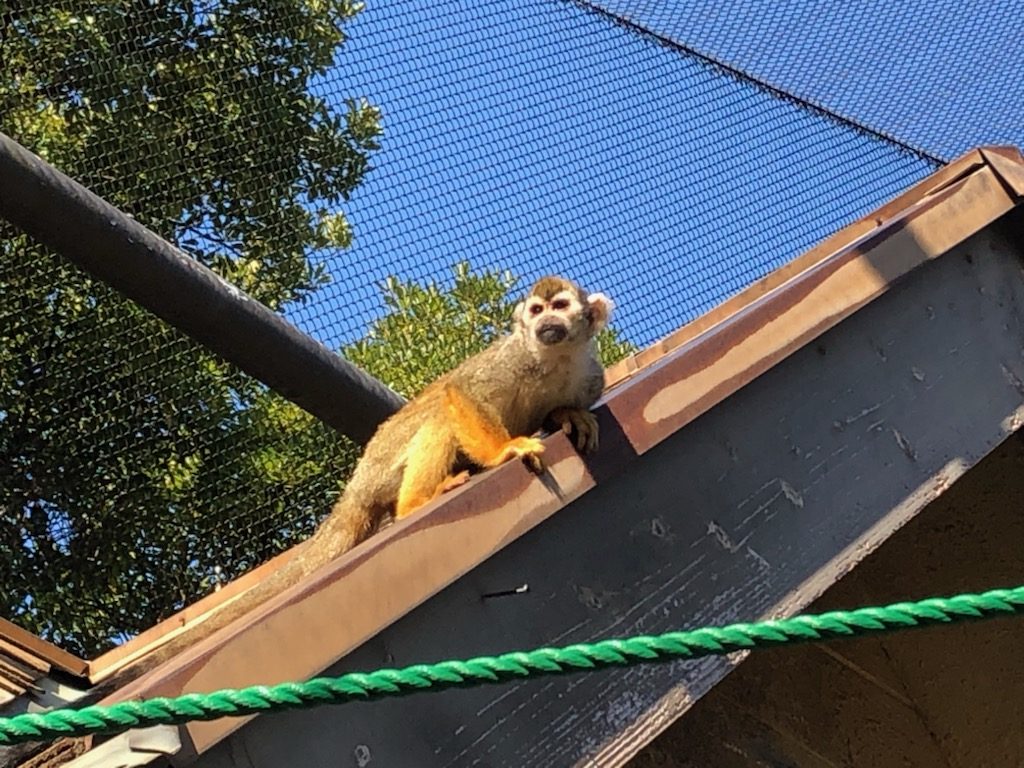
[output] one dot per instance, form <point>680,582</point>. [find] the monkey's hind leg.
<point>483,439</point>
<point>429,460</point>
<point>580,419</point>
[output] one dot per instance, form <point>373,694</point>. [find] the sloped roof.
<point>650,396</point>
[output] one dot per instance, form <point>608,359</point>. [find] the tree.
<point>134,465</point>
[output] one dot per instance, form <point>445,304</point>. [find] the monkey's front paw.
<point>529,449</point>
<point>582,421</point>
<point>452,482</point>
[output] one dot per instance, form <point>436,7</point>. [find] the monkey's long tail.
<point>349,523</point>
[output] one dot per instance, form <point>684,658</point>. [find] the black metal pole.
<point>110,245</point>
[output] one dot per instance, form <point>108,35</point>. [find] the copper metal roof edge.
<point>844,238</point>
<point>1008,163</point>
<point>423,554</point>
<point>184,620</point>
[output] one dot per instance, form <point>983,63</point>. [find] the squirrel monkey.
<point>479,415</point>
<point>484,412</point>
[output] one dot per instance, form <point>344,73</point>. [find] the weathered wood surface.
<point>751,510</point>
<point>14,637</point>
<point>950,696</point>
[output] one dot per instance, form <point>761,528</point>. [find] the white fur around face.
<point>600,310</point>
<point>589,318</point>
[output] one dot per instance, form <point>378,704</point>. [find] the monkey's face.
<point>555,320</point>
<point>557,313</point>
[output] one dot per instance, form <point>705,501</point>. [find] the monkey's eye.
<point>536,309</point>
<point>560,304</point>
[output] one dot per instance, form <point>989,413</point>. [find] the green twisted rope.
<point>486,669</point>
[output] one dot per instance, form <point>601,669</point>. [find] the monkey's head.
<point>558,312</point>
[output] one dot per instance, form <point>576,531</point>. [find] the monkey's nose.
<point>552,333</point>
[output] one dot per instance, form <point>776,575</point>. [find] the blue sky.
<point>538,136</point>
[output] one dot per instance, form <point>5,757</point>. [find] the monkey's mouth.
<point>552,333</point>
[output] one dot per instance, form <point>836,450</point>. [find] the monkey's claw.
<point>533,462</point>
<point>583,422</point>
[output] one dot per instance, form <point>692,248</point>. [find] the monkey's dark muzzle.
<point>552,333</point>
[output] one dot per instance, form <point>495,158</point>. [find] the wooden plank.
<point>16,675</point>
<point>16,636</point>
<point>752,510</point>
<point>399,569</point>
<point>23,657</point>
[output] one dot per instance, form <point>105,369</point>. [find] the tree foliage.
<point>134,466</point>
<point>197,120</point>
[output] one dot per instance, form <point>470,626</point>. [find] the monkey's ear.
<point>599,307</point>
<point>517,313</point>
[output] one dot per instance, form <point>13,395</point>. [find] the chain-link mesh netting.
<point>138,471</point>
<point>600,141</point>
<point>939,76</point>
<point>546,136</point>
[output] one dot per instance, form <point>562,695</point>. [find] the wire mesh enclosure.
<point>387,178</point>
